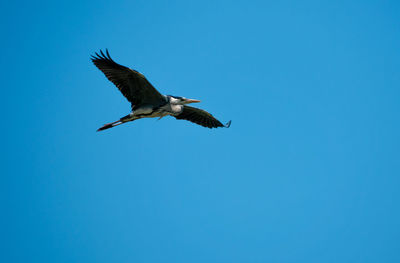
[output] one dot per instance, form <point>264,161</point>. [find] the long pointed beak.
<point>191,101</point>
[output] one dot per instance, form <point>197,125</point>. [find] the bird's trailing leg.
<point>116,123</point>
<point>110,125</point>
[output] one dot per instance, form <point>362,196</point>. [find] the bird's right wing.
<point>200,117</point>
<point>133,85</point>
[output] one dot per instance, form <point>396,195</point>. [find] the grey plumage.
<point>146,101</point>
<point>200,117</point>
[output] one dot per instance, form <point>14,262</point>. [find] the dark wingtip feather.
<point>103,57</point>
<point>228,124</point>
<point>108,54</point>
<point>100,55</point>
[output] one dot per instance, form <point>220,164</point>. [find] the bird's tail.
<point>115,123</point>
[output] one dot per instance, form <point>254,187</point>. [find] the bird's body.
<point>146,101</point>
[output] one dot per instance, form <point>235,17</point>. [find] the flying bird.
<point>146,101</point>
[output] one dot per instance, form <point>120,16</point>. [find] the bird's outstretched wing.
<point>200,117</point>
<point>132,84</point>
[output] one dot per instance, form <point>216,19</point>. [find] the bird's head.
<point>181,100</point>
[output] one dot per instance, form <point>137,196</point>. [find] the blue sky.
<point>308,172</point>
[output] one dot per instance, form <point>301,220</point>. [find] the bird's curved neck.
<point>174,101</point>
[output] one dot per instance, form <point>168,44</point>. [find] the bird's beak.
<point>191,101</point>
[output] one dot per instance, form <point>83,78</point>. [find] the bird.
<point>146,101</point>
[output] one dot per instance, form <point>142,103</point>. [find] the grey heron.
<point>146,101</point>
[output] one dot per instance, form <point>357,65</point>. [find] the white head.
<point>181,100</point>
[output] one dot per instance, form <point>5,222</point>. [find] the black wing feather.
<point>132,84</point>
<point>200,117</point>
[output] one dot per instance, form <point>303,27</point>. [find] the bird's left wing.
<point>133,85</point>
<point>200,117</point>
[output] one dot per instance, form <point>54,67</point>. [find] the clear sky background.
<point>308,172</point>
